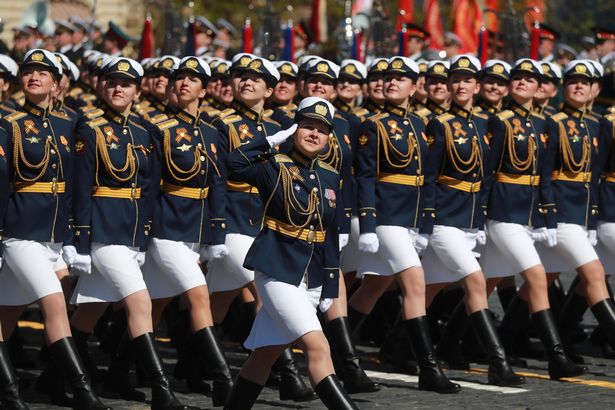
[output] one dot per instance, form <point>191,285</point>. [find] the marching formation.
<point>311,205</point>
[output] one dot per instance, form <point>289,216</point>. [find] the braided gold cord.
<point>403,159</point>
<point>518,164</point>
<point>101,147</point>
<point>173,167</point>
<point>568,159</point>
<point>460,165</point>
<point>18,154</point>
<point>292,203</point>
<point>333,155</point>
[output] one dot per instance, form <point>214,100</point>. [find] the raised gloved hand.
<point>540,234</point>
<point>343,240</point>
<point>421,242</point>
<point>368,242</point>
<point>141,258</point>
<point>69,253</point>
<point>217,251</point>
<point>481,237</point>
<point>83,263</point>
<point>281,136</point>
<point>592,235</point>
<point>551,237</point>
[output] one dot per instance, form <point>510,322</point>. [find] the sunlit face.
<point>63,88</point>
<point>398,88</point>
<point>159,85</point>
<point>577,91</point>
<point>421,91</point>
<point>546,91</point>
<point>493,90</point>
<point>375,88</point>
<point>251,88</point>
<point>311,137</point>
<point>37,81</point>
<point>4,87</point>
<point>523,87</point>
<point>285,90</point>
<point>463,88</point>
<point>226,92</point>
<point>437,90</point>
<point>318,86</point>
<point>120,92</point>
<point>348,89</point>
<point>188,88</point>
<point>596,88</point>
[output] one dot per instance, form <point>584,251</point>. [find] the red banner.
<point>467,20</point>
<point>146,48</point>
<point>318,21</point>
<point>537,15</point>
<point>491,19</point>
<point>433,24</point>
<point>405,13</point>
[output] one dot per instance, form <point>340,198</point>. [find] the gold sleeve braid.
<point>18,154</point>
<point>568,156</point>
<point>333,155</point>
<point>460,165</point>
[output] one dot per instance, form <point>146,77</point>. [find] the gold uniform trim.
<point>464,186</point>
<point>609,177</point>
<point>40,187</point>
<point>185,192</point>
<point>402,179</point>
<point>304,234</point>
<point>531,180</point>
<point>113,192</point>
<point>571,176</point>
<point>241,187</point>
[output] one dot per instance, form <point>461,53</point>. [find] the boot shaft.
<point>333,395</point>
<point>244,394</point>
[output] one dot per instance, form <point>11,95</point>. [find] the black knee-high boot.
<point>243,395</point>
<point>211,354</point>
<point>449,347</point>
<point>394,350</point>
<point>604,311</point>
<point>500,372</point>
<point>559,364</point>
<point>9,385</point>
<point>291,386</point>
<point>65,356</point>
<point>117,378</point>
<point>557,297</point>
<point>162,396</point>
<point>430,376</point>
<point>51,383</point>
<point>506,295</point>
<point>355,379</point>
<point>516,318</point>
<point>333,395</point>
<point>571,315</point>
<point>81,341</point>
<point>355,320</point>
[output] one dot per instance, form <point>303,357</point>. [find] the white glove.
<point>1,261</point>
<point>83,263</point>
<point>421,242</point>
<point>368,242</point>
<point>216,251</point>
<point>141,258</point>
<point>592,235</point>
<point>343,240</point>
<point>540,234</point>
<point>69,253</point>
<point>281,136</point>
<point>325,304</point>
<point>481,237</point>
<point>551,237</point>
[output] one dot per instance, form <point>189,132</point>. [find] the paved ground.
<point>596,390</point>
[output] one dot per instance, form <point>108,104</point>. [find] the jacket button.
<point>202,158</point>
<point>124,131</point>
<point>312,176</point>
<point>54,179</point>
<point>53,166</point>
<point>53,151</point>
<point>196,132</point>
<point>259,128</point>
<point>202,172</point>
<point>45,124</point>
<point>311,227</point>
<point>199,145</point>
<point>331,276</point>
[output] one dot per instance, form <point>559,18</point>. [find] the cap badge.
<point>38,57</point>
<point>321,110</point>
<point>192,63</point>
<point>498,68</point>
<point>322,67</point>
<point>123,66</point>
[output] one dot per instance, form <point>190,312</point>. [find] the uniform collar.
<point>188,118</point>
<point>247,112</point>
<point>570,110</point>
<point>36,110</point>
<point>540,108</point>
<point>400,110</point>
<point>116,116</point>
<point>156,103</point>
<point>460,112</point>
<point>519,110</point>
<point>416,104</point>
<point>341,105</point>
<point>290,107</point>
<point>302,160</point>
<point>493,109</point>
<point>435,108</point>
<point>371,106</point>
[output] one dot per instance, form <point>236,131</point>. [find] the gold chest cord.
<point>18,154</point>
<point>567,154</point>
<point>516,163</point>
<point>460,165</point>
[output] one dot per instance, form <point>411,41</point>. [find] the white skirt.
<point>115,275</point>
<point>450,256</point>
<point>29,271</point>
<point>288,312</point>
<point>349,259</point>
<point>395,254</point>
<point>228,273</point>
<point>572,250</point>
<point>172,268</point>
<point>510,250</point>
<point>606,246</point>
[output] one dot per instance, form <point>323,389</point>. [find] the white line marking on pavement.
<point>469,385</point>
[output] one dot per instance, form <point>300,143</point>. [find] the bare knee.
<point>475,284</point>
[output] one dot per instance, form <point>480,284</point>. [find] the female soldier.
<point>36,221</point>
<point>192,191</point>
<point>453,202</point>
<point>494,79</point>
<point>390,158</point>
<point>300,229</point>
<point>112,204</point>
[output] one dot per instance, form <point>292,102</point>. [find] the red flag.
<point>146,48</point>
<point>538,14</point>
<point>405,14</point>
<point>467,20</point>
<point>491,19</point>
<point>318,21</point>
<point>247,37</point>
<point>433,24</point>
<point>535,41</point>
<point>483,45</point>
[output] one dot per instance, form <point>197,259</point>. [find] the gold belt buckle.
<point>202,192</point>
<point>310,237</point>
<point>532,179</point>
<point>472,187</point>
<point>54,187</point>
<point>133,194</point>
<point>586,177</point>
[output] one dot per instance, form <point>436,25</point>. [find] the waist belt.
<point>305,234</point>
<point>571,176</point>
<point>112,192</point>
<point>185,192</point>
<point>40,187</point>
<point>609,177</point>
<point>401,179</point>
<point>531,180</point>
<point>241,187</point>
<point>464,186</point>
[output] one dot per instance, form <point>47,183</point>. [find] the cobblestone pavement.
<point>596,390</point>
